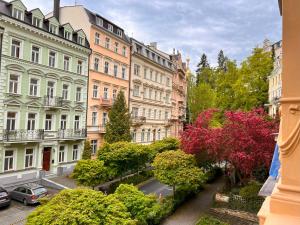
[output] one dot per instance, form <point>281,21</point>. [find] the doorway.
<point>46,158</point>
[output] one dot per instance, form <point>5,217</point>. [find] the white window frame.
<point>16,125</point>
<point>94,145</point>
<point>18,13</point>
<point>52,122</point>
<point>119,32</point>
<point>63,122</point>
<point>78,96</point>
<point>51,27</point>
<point>99,21</point>
<point>115,70</point>
<point>97,38</point>
<point>62,154</point>
<point>65,92</point>
<point>13,53</point>
<point>124,73</point>
<point>105,92</point>
<point>30,155</point>
<point>50,57</point>
<point>77,122</point>
<point>94,118</point>
<point>110,27</point>
<point>106,67</point>
<point>35,121</point>
<point>35,86</point>
<point>67,63</point>
<point>73,152</point>
<point>14,158</point>
<point>107,42</point>
<point>96,63</point>
<point>95,91</point>
<point>79,66</point>
<point>36,19</point>
<point>18,83</point>
<point>124,50</point>
<point>37,57</point>
<point>136,90</point>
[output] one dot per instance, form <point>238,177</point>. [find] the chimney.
<point>56,9</point>
<point>153,45</point>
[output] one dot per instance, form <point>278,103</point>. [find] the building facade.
<point>109,66</point>
<point>150,93</point>
<point>179,94</point>
<point>43,88</point>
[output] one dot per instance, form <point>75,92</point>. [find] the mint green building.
<point>43,94</point>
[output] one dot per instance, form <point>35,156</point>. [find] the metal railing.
<point>53,101</point>
<point>71,133</point>
<point>22,135</point>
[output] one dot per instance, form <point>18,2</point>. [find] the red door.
<point>46,158</point>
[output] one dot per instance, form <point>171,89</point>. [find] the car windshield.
<point>39,191</point>
<point>3,194</point>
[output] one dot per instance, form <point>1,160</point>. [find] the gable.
<point>81,33</point>
<point>37,13</point>
<point>68,27</point>
<point>53,20</point>
<point>79,108</point>
<point>18,4</point>
<point>13,102</point>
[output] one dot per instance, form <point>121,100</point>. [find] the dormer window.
<point>36,22</point>
<point>18,14</point>
<point>80,40</point>
<point>52,28</point>
<point>110,28</point>
<point>99,21</point>
<point>67,35</point>
<point>119,33</point>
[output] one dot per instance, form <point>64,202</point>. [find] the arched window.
<point>134,136</point>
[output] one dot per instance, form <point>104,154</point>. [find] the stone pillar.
<point>283,206</point>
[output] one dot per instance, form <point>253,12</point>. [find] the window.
<point>136,70</point>
<point>154,115</point>
<point>145,73</point>
<point>65,92</point>
<point>99,21</point>
<point>150,93</point>
<point>94,144</point>
<point>48,122</point>
<point>52,28</point>
<point>168,81</point>
<point>94,118</point>
<point>29,158</point>
<point>95,91</point>
<point>13,84</point>
<point>66,63</point>
<point>144,112</point>
<point>115,70</point>
<point>78,94</point>
<point>106,67</point>
<point>33,87</point>
<point>8,160</point>
<point>134,136</point>
<point>11,120</point>
<point>36,21</point>
<point>116,47</point>
<point>114,94</point>
<point>151,74</point>
<point>155,95</point>
<point>75,152</point>
<point>97,38</point>
<point>136,90</point>
<point>166,115</point>
<point>96,64</point>
<point>63,122</point>
<point>156,77</point>
<point>135,112</point>
<point>143,136</point>
<point>107,42</point>
<point>50,89</point>
<point>119,32</point>
<point>76,122</point>
<point>18,14</point>
<point>148,135</point>
<point>15,48</point>
<point>167,98</point>
<point>124,51</point>
<point>80,40</point>
<point>61,154</point>
<point>159,114</point>
<point>166,132</point>
<point>35,54</point>
<point>123,73</point>
<point>105,93</point>
<point>104,118</point>
<point>158,134</point>
<point>52,58</point>
<point>110,28</point>
<point>31,121</point>
<point>145,92</point>
<point>79,67</point>
<point>161,79</point>
<point>67,35</point>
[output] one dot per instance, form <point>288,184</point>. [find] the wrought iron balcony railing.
<point>138,120</point>
<point>72,134</point>
<point>22,135</point>
<point>53,102</point>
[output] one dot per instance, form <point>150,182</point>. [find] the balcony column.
<point>283,206</point>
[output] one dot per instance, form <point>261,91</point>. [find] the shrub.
<point>164,145</point>
<point>251,190</point>
<point>87,150</point>
<point>208,220</point>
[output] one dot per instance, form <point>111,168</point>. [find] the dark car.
<point>29,193</point>
<point>4,198</point>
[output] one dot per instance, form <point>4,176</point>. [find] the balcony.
<point>53,102</point>
<point>97,129</point>
<point>106,102</point>
<point>22,135</point>
<point>168,123</point>
<point>72,134</point>
<point>138,120</point>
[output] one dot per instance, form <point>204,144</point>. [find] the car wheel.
<point>25,202</point>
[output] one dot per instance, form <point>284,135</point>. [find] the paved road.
<point>155,187</point>
<point>191,211</point>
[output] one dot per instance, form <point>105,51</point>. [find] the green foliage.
<point>175,168</point>
<point>144,208</point>
<point>87,150</point>
<point>251,190</point>
<point>121,157</point>
<point>166,144</point>
<point>90,172</point>
<point>118,126</point>
<point>202,65</point>
<point>208,220</point>
<point>81,206</point>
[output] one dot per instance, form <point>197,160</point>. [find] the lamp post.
<point>283,206</point>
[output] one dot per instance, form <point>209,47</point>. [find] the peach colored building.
<point>109,66</point>
<point>179,94</point>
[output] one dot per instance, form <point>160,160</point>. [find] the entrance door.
<point>46,158</point>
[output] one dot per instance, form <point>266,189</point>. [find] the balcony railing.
<point>106,102</point>
<point>168,123</point>
<point>72,134</point>
<point>22,135</point>
<point>100,129</point>
<point>53,102</point>
<point>138,120</point>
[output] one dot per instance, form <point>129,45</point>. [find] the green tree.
<point>118,126</point>
<point>144,208</point>
<point>90,172</point>
<point>203,64</point>
<point>87,150</point>
<point>178,169</point>
<point>81,206</point>
<point>166,144</point>
<point>222,59</point>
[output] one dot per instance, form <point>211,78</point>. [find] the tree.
<point>81,206</point>
<point>177,169</point>
<point>166,144</point>
<point>200,67</point>
<point>222,61</point>
<point>87,150</point>
<point>118,126</point>
<point>144,208</point>
<point>90,172</point>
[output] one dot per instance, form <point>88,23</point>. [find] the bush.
<point>87,150</point>
<point>208,220</point>
<point>164,145</point>
<point>251,190</point>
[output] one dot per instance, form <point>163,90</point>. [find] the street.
<point>155,187</point>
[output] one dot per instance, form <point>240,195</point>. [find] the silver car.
<point>29,193</point>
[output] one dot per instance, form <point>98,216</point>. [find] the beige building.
<point>150,93</point>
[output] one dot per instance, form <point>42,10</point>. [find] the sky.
<point>193,27</point>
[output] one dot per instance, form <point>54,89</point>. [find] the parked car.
<point>4,198</point>
<point>29,193</point>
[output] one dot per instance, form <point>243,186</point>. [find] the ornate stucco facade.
<point>43,86</point>
<point>150,93</point>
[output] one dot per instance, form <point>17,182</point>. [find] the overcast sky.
<point>191,26</point>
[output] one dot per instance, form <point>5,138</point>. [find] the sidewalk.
<point>191,211</point>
